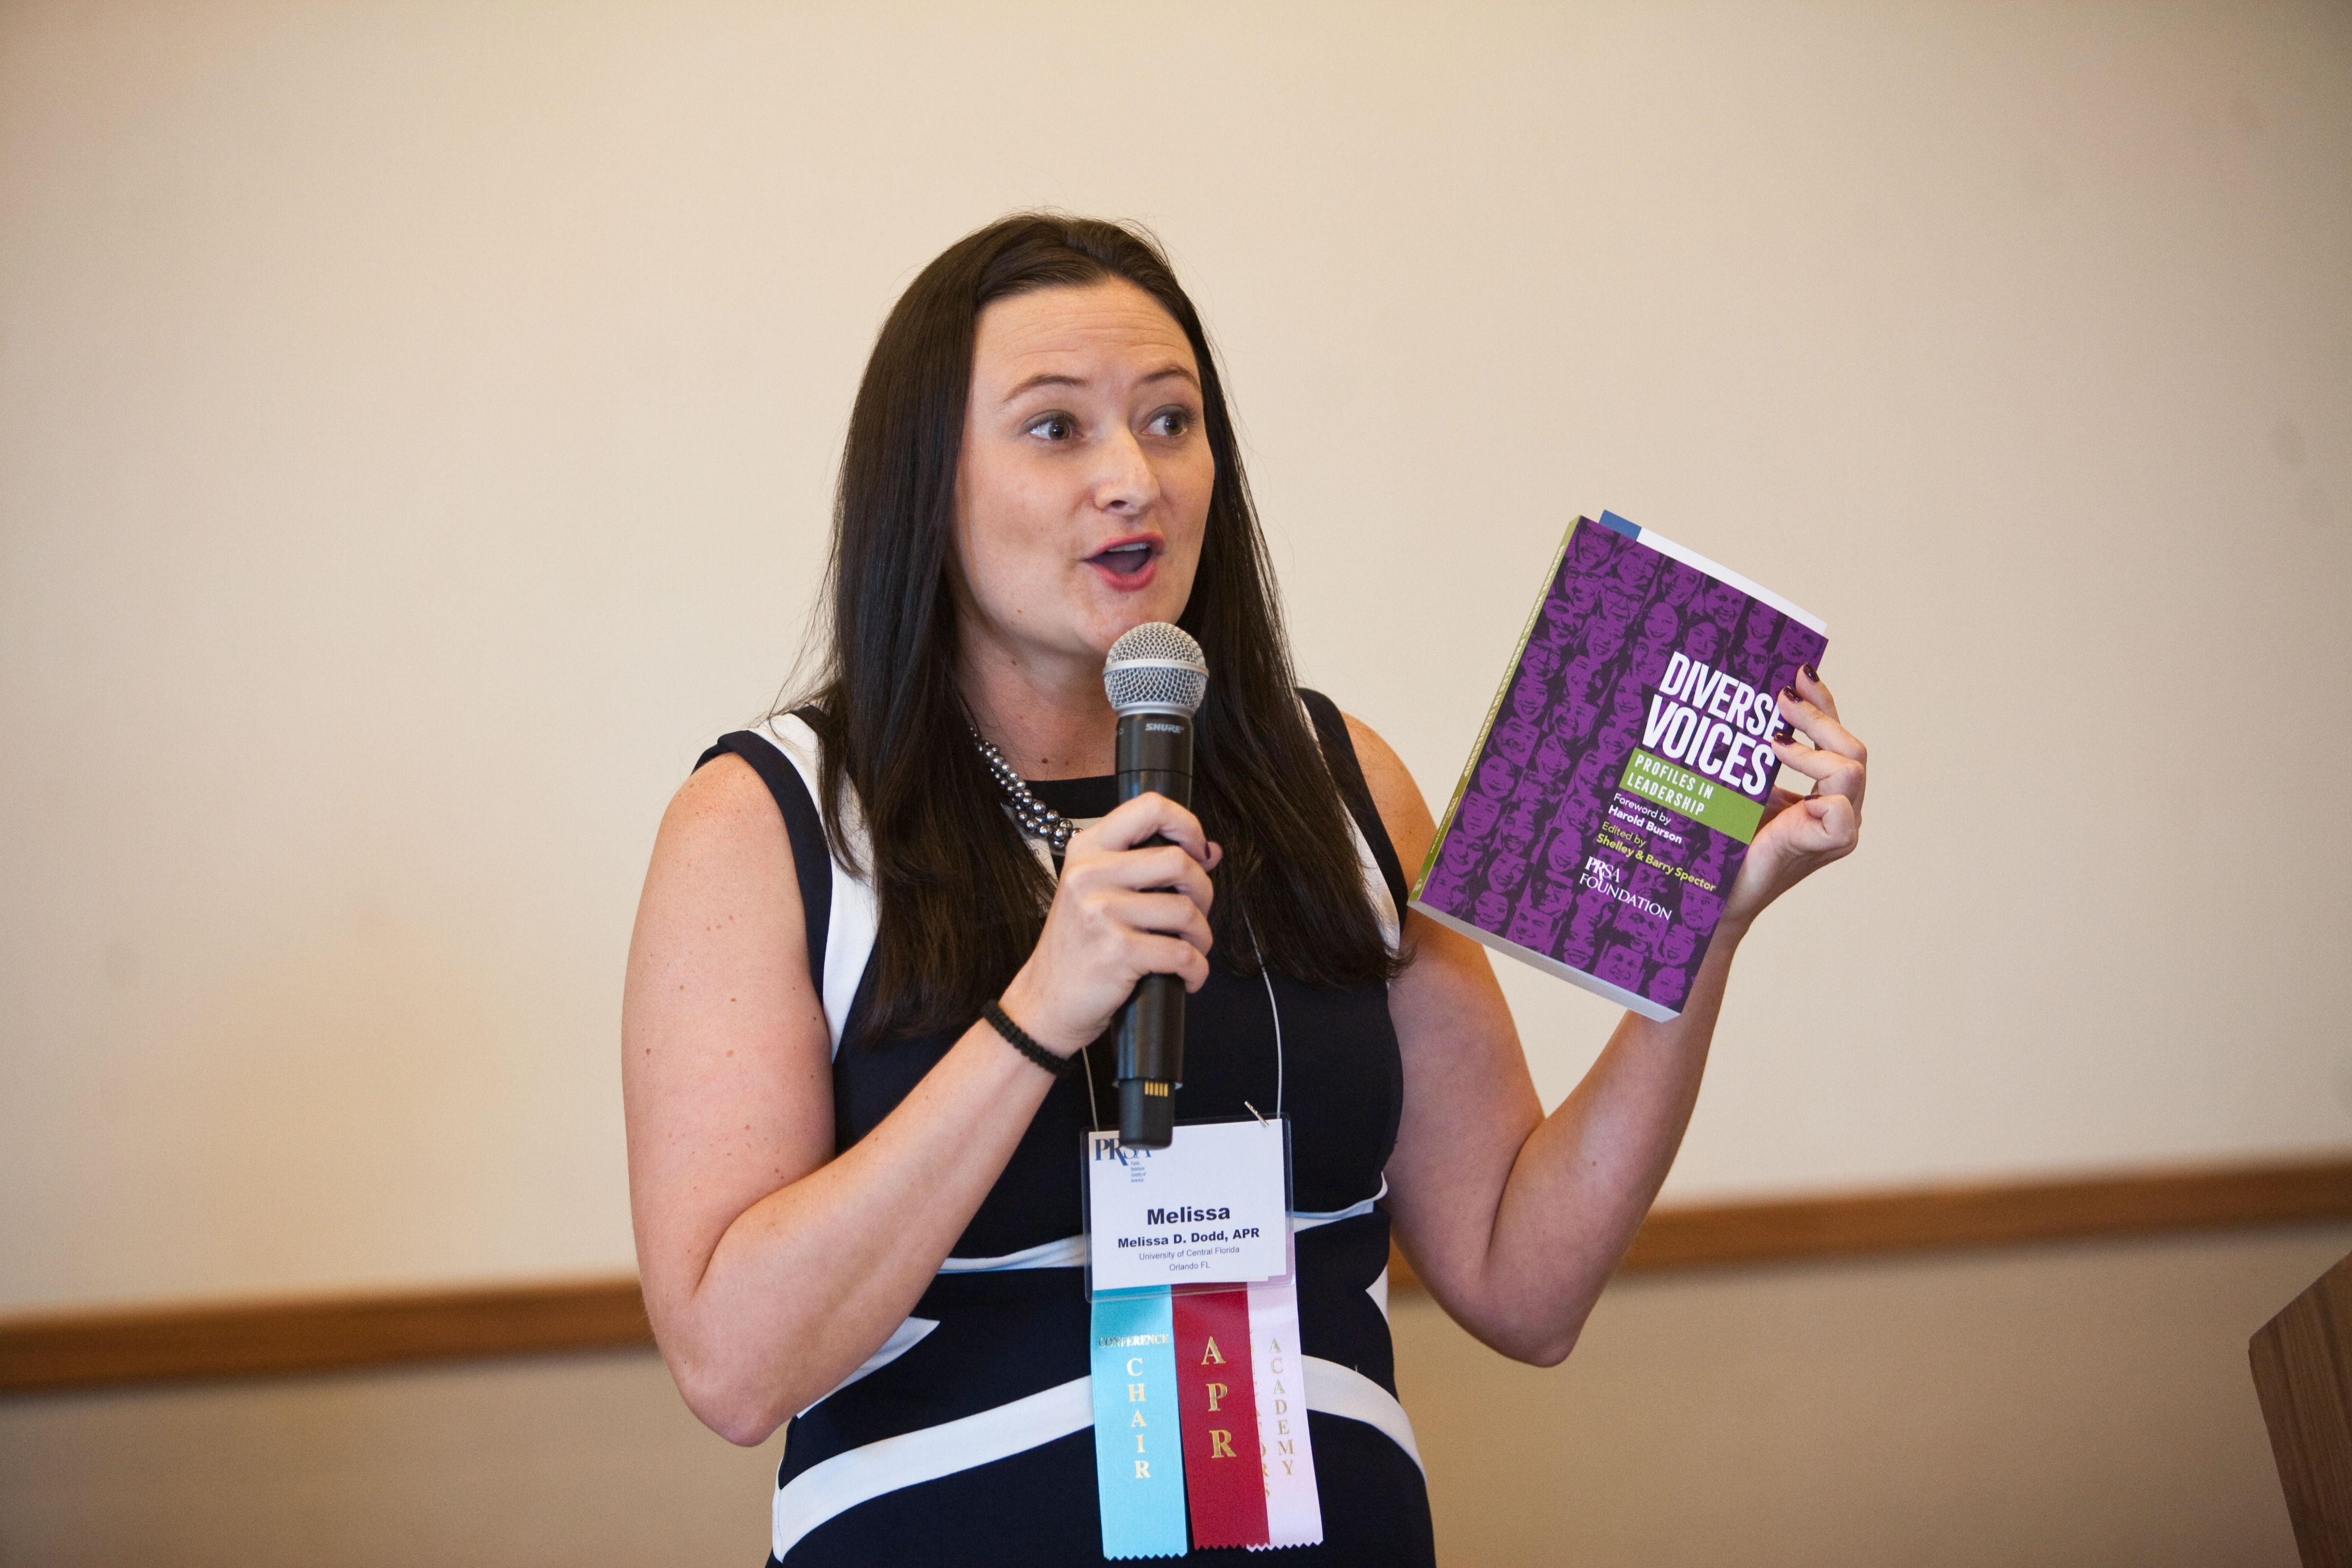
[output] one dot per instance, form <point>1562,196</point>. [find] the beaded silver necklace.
<point>1037,819</point>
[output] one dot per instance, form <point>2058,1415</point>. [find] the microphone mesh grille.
<point>1155,666</point>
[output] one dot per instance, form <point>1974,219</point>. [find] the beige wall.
<point>2043,1407</point>
<point>415,430</point>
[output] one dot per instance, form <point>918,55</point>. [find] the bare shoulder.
<point>724,1074</point>
<point>724,798</point>
<point>1398,799</point>
<point>721,890</point>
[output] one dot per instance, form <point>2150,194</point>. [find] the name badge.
<point>1212,1208</point>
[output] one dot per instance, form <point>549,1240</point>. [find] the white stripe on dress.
<point>849,928</point>
<point>1337,1390</point>
<point>825,1490</point>
<point>903,1338</point>
<point>861,1475</point>
<point>1070,1252</point>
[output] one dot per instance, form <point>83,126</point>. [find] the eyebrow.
<point>1051,378</point>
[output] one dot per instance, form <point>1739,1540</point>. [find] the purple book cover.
<point>1623,767</point>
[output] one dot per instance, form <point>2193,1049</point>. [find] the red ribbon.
<point>1224,1473</point>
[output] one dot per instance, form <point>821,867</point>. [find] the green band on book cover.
<point>1700,798</point>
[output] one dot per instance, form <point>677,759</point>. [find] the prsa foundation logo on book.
<point>1564,843</point>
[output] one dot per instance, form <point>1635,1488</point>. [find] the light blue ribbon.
<point>1139,1457</point>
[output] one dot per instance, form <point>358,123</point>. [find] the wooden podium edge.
<point>2302,1362</point>
<point>57,1351</point>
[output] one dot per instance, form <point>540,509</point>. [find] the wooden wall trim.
<point>1993,1214</point>
<point>156,1344</point>
<point>1981,1214</point>
<point>248,1339</point>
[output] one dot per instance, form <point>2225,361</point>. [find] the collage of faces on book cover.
<point>1514,857</point>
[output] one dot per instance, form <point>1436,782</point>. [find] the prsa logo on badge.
<point>1136,1162</point>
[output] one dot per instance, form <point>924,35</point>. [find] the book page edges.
<point>1689,557</point>
<point>1655,1012</point>
<point>1486,728</point>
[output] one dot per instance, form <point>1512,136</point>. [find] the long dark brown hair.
<point>961,899</point>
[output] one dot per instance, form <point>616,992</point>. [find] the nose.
<point>1125,481</point>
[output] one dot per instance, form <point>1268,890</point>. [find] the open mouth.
<point>1124,560</point>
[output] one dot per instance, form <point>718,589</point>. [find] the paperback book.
<point>1623,769</point>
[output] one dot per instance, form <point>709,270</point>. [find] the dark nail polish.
<point>1788,693</point>
<point>1811,673</point>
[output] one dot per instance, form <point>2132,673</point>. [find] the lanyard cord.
<point>1086,1059</point>
<point>1272,1006</point>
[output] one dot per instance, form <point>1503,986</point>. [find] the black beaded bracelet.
<point>1018,1038</point>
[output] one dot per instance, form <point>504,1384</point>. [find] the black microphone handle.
<point>1151,1061</point>
<point>1155,754</point>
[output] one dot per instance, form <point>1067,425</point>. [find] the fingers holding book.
<point>1803,833</point>
<point>1833,759</point>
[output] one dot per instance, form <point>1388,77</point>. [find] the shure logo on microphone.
<point>1163,729</point>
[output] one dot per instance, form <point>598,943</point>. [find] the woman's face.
<point>1082,488</point>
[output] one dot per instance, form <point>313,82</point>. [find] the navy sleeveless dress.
<point>967,1438</point>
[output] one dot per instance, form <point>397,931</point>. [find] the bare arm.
<point>771,1269</point>
<point>1516,1220</point>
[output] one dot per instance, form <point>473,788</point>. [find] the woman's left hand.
<point>1803,833</point>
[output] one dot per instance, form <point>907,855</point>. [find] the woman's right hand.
<point>1120,912</point>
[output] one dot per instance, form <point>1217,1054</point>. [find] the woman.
<point>856,1201</point>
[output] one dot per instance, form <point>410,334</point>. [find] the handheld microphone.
<point>1156,678</point>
